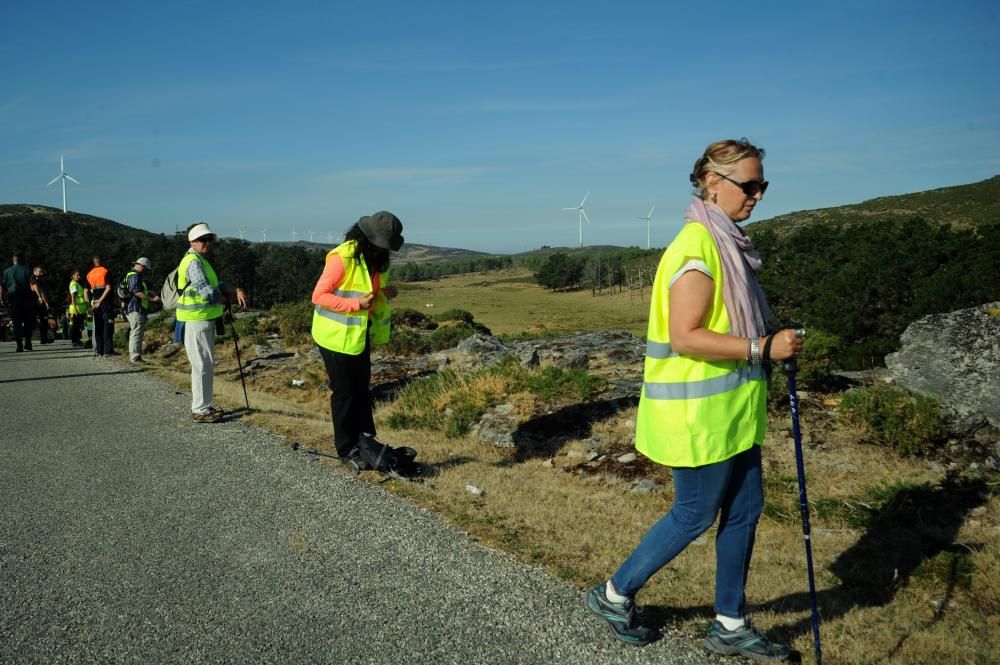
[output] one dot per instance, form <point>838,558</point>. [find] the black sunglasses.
<point>750,187</point>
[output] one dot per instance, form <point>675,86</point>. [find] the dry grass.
<point>580,522</point>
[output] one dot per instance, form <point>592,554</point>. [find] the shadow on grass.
<point>543,435</point>
<point>904,538</point>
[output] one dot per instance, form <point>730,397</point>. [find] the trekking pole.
<point>239,363</point>
<point>790,368</point>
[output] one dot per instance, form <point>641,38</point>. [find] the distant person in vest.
<point>352,313</point>
<point>103,308</point>
<point>137,308</point>
<point>15,290</point>
<point>703,407</point>
<point>78,309</point>
<point>202,303</point>
<point>41,304</point>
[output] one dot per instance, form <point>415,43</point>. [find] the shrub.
<point>464,398</point>
<point>454,315</point>
<point>447,337</point>
<point>553,382</point>
<point>818,360</point>
<point>407,343</point>
<point>293,321</point>
<point>411,318</point>
<point>909,424</point>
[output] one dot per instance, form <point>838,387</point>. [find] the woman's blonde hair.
<point>721,157</point>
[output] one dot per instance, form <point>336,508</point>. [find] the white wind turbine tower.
<point>241,234</point>
<point>64,177</point>
<point>583,215</point>
<point>648,218</point>
<point>311,234</point>
<point>329,238</point>
<point>263,233</point>
<point>294,235</point>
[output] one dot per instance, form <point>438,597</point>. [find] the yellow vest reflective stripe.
<point>345,332</point>
<point>694,412</point>
<point>77,303</point>
<point>145,288</point>
<point>192,306</point>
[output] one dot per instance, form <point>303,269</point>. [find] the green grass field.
<point>510,302</point>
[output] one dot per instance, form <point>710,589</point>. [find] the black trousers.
<point>22,313</point>
<point>42,316</point>
<point>77,323</point>
<point>351,401</point>
<point>104,328</point>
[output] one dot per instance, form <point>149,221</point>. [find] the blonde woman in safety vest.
<point>703,406</point>
<point>352,313</point>
<point>202,303</point>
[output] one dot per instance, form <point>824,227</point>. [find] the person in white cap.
<point>137,307</point>
<point>201,305</point>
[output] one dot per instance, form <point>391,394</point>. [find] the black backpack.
<point>373,454</point>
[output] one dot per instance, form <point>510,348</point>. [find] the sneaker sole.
<point>725,650</point>
<point>596,609</point>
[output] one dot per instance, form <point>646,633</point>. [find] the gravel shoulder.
<point>128,534</point>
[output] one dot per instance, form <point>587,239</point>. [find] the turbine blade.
<point>584,213</point>
<point>584,199</point>
<point>55,179</point>
<point>69,177</point>
<point>563,208</point>
<point>651,211</point>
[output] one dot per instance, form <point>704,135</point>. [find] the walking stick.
<point>790,368</point>
<point>239,363</point>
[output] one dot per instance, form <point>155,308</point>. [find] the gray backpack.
<point>170,294</point>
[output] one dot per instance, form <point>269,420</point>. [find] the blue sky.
<point>477,122</point>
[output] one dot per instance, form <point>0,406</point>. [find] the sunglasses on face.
<point>750,187</point>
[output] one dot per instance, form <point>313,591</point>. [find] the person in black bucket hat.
<point>383,229</point>
<point>351,313</point>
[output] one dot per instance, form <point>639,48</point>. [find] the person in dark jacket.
<point>16,291</point>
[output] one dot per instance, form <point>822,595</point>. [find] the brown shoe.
<point>210,417</point>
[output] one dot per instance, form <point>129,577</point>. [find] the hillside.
<point>409,253</point>
<point>961,207</point>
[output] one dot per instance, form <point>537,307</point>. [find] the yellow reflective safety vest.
<point>77,302</point>
<point>344,332</point>
<point>694,412</point>
<point>144,303</point>
<point>192,306</point>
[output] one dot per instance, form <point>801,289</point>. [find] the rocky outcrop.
<point>956,358</point>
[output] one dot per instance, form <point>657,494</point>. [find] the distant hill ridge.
<point>31,226</point>
<point>961,206</point>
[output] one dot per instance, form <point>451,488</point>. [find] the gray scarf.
<point>749,314</point>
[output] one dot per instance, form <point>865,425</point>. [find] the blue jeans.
<point>732,487</point>
<point>179,332</point>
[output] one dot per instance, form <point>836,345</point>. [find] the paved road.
<point>130,535</point>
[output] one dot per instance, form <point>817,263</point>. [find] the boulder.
<point>954,357</point>
<point>497,428</point>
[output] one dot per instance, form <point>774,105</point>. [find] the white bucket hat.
<point>199,231</point>
<point>143,261</point>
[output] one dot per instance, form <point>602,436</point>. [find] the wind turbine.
<point>64,177</point>
<point>241,234</point>
<point>648,218</point>
<point>294,235</point>
<point>329,238</point>
<point>311,234</point>
<point>263,233</point>
<point>583,215</point>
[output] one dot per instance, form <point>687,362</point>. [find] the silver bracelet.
<point>754,350</point>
